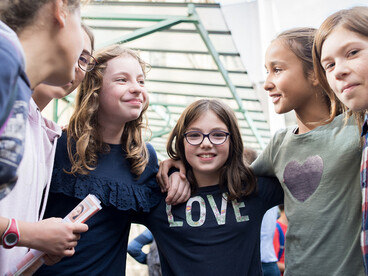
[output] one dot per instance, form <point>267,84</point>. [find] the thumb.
<point>80,227</point>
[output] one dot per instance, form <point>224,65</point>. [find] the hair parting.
<point>237,177</point>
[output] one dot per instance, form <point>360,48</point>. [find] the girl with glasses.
<point>317,163</point>
<point>217,231</point>
<point>41,41</point>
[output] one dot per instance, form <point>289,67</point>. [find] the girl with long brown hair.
<point>217,231</point>
<point>317,163</point>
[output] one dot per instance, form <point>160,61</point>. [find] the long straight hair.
<point>234,175</point>
<point>354,20</point>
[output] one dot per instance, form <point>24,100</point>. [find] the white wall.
<point>255,23</point>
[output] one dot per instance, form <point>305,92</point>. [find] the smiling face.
<point>344,57</point>
<point>286,82</point>
<point>123,94</point>
<point>207,159</point>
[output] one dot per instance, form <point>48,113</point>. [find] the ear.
<point>313,79</point>
<point>60,12</point>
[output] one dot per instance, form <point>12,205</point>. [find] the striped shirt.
<point>364,184</point>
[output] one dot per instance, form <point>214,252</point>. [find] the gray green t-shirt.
<point>319,172</point>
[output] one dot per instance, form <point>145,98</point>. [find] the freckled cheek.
<point>111,92</point>
<point>145,96</point>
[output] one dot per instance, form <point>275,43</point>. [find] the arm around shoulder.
<point>270,190</point>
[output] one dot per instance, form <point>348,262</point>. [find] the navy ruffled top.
<point>111,181</point>
<point>102,249</point>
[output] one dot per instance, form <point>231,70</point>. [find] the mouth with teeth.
<point>206,155</point>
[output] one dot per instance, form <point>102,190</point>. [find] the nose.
<point>206,143</point>
<point>268,84</point>
<point>341,70</point>
<point>135,88</point>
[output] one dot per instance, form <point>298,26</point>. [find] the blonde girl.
<point>103,153</point>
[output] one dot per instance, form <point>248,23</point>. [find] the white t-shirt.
<point>34,176</point>
<point>267,232</point>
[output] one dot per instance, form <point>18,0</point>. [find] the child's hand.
<point>179,189</point>
<point>162,176</point>
<point>52,236</point>
<point>64,127</point>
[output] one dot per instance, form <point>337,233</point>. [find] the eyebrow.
<point>86,52</point>
<point>341,48</point>
<point>273,63</point>
<point>125,73</point>
<point>212,129</point>
<point>277,62</point>
<point>324,59</point>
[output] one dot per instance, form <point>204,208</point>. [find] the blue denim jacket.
<point>15,93</point>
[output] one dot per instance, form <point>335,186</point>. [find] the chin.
<point>61,96</point>
<point>133,117</point>
<point>279,111</point>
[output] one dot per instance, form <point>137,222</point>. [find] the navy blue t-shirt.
<point>102,249</point>
<point>209,235</point>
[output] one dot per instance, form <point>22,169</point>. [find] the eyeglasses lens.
<point>86,62</point>
<point>196,137</point>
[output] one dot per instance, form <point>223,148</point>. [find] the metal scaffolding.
<point>192,56</point>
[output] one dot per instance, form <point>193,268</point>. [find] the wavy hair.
<point>84,138</point>
<point>235,175</point>
<point>355,20</point>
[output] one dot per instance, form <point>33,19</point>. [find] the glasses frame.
<point>88,68</point>
<point>206,135</point>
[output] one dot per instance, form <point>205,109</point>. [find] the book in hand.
<point>33,260</point>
